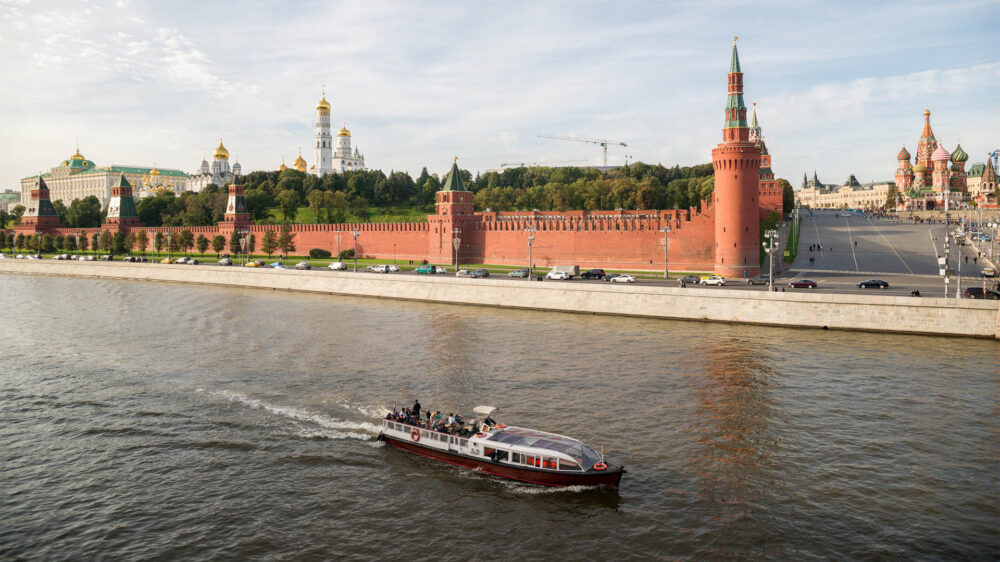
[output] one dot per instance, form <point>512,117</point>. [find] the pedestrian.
<point>855,243</point>
<point>744,274</point>
<point>974,260</point>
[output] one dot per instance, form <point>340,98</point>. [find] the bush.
<point>319,254</point>
<point>346,255</point>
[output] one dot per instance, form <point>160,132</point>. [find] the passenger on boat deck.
<point>416,409</point>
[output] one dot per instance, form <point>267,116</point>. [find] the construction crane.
<point>522,164</point>
<point>603,143</point>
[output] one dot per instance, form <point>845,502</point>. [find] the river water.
<point>162,421</point>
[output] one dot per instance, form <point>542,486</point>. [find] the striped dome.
<point>959,155</point>
<point>941,155</point>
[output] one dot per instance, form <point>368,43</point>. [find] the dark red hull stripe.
<point>610,478</point>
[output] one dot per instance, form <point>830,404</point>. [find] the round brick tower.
<point>737,177</point>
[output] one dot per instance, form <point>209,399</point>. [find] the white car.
<point>380,269</point>
<point>440,269</point>
<point>337,266</point>
<point>181,259</point>
<point>557,275</point>
<point>623,278</point>
<point>713,280</point>
<point>393,268</point>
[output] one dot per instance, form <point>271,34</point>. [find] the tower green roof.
<point>122,181</point>
<point>453,179</point>
<point>734,65</point>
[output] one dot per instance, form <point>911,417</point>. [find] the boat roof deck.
<point>519,436</point>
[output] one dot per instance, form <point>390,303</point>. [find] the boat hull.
<point>605,478</point>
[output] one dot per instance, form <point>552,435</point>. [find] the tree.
<point>130,240</point>
<point>19,242</point>
<point>17,212</point>
<point>234,243</point>
<point>84,213</point>
<point>269,243</point>
<point>82,243</point>
<point>4,219</point>
<point>174,242</point>
<point>251,244</point>
<point>60,209</point>
<point>3,239</point>
<point>142,241</point>
<point>118,242</point>
<point>158,242</point>
<point>787,195</point>
<point>105,241</point>
<point>259,203</point>
<point>288,200</point>
<point>59,241</point>
<point>95,241</point>
<point>218,244</point>
<point>202,244</point>
<point>890,197</point>
<point>286,240</point>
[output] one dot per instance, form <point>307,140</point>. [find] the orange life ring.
<point>501,426</point>
<point>415,435</point>
<point>600,466</point>
<point>480,435</point>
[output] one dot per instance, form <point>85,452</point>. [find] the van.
<point>427,269</point>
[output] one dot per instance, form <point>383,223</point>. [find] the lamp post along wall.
<point>356,234</point>
<point>666,246</point>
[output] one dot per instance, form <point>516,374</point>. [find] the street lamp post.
<point>531,238</point>
<point>168,245</point>
<point>666,245</point>
<point>456,241</point>
<point>243,246</point>
<point>393,253</point>
<point>356,233</point>
<point>771,246</point>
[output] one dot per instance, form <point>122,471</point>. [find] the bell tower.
<point>454,211</point>
<point>736,162</point>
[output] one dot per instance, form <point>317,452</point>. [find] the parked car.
<point>523,272</point>
<point>225,261</point>
<point>989,272</point>
<point>440,269</point>
<point>593,274</point>
<point>393,268</point>
<point>192,261</point>
<point>304,265</point>
<point>623,278</point>
<point>611,277</point>
<point>380,268</point>
<point>426,270</point>
<point>255,263</point>
<point>716,280</point>
<point>759,280</point>
<point>876,283</point>
<point>337,266</point>
<point>482,273</point>
<point>689,280</point>
<point>276,265</point>
<point>181,259</point>
<point>980,293</point>
<point>557,275</point>
<point>802,284</point>
<point>463,273</point>
<point>167,261</point>
<point>107,257</point>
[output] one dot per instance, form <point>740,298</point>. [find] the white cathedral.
<point>328,161</point>
<point>220,172</point>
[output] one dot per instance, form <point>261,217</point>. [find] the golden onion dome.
<point>221,153</point>
<point>282,167</point>
<point>920,167</point>
<point>154,172</point>
<point>344,132</point>
<point>77,156</point>
<point>323,105</point>
<point>300,163</point>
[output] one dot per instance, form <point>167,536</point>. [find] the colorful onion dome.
<point>959,155</point>
<point>954,168</point>
<point>903,154</point>
<point>221,153</point>
<point>941,155</point>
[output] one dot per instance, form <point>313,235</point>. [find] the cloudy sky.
<point>839,86</point>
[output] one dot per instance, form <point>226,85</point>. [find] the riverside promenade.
<point>894,314</point>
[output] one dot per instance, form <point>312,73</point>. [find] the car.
<point>225,261</point>
<point>303,265</point>
<point>557,275</point>
<point>440,269</point>
<point>167,261</point>
<point>716,280</point>
<point>802,284</point>
<point>393,268</point>
<point>482,272</point>
<point>192,261</point>
<point>19,257</point>
<point>464,273</point>
<point>255,263</point>
<point>610,276</point>
<point>989,272</point>
<point>337,266</point>
<point>623,278</point>
<point>759,280</point>
<point>523,272</point>
<point>478,273</point>
<point>379,268</point>
<point>689,280</point>
<point>981,293</point>
<point>984,237</point>
<point>593,274</point>
<point>276,265</point>
<point>876,283</point>
<point>181,260</point>
<point>426,270</point>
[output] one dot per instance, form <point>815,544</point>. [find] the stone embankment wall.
<point>933,316</point>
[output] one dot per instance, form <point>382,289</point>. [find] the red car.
<point>802,284</point>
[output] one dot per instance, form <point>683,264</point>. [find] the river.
<point>173,422</point>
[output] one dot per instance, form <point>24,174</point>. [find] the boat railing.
<point>428,433</point>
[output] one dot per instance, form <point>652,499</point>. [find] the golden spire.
<point>455,161</point>
<point>735,39</point>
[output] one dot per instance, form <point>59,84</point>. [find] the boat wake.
<point>312,425</point>
<point>518,488</point>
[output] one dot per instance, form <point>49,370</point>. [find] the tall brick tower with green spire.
<point>737,180</point>
<point>122,215</point>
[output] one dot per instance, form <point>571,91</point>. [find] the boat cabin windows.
<point>568,465</point>
<point>495,454</point>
